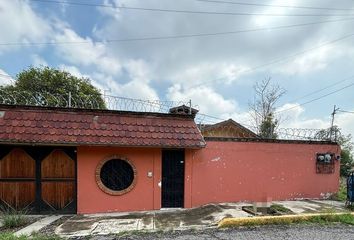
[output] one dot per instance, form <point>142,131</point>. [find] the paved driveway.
<point>181,219</point>
<point>294,232</point>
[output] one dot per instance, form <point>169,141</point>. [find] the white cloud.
<point>207,100</point>
<point>345,122</point>
<point>19,23</point>
<point>131,89</point>
<point>208,72</point>
<point>5,78</point>
<point>86,53</point>
<point>295,117</point>
<point>138,70</point>
<point>38,60</point>
<point>315,60</point>
<point>73,71</point>
<point>262,21</point>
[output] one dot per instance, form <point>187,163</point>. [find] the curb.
<point>246,221</point>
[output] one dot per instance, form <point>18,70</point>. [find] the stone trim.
<point>106,189</point>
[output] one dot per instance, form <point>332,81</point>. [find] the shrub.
<point>13,218</point>
<point>10,236</point>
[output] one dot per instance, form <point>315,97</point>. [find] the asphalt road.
<point>294,232</point>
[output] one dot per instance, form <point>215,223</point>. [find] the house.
<point>227,128</point>
<point>63,160</point>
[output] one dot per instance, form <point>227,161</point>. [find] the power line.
<point>343,111</point>
<point>322,89</point>
<point>190,11</point>
<point>318,98</point>
<point>209,116</point>
<point>175,36</point>
<point>277,6</point>
<point>279,59</point>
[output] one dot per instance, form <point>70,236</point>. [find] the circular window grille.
<point>116,176</point>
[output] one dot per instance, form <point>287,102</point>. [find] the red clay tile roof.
<point>38,125</point>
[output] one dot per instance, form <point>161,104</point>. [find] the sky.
<point>306,47</point>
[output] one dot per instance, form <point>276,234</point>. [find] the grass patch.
<point>280,209</point>
<point>10,236</point>
<point>124,234</point>
<point>13,218</point>
<point>341,195</point>
<point>284,220</point>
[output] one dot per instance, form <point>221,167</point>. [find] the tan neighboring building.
<point>226,129</point>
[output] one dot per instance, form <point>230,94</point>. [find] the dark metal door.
<point>172,178</point>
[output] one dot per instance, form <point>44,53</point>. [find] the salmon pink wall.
<point>250,171</point>
<point>146,195</point>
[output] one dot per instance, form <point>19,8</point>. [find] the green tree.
<point>267,127</point>
<point>345,141</point>
<point>47,86</point>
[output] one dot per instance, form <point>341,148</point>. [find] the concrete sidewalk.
<point>36,226</point>
<point>207,216</point>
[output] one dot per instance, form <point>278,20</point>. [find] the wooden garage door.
<point>58,180</point>
<point>18,180</point>
<point>38,179</point>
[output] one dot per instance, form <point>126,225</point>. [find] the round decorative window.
<point>115,176</point>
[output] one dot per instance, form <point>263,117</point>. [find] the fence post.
<point>190,107</point>
<point>69,99</point>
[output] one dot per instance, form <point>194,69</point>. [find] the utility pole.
<point>332,123</point>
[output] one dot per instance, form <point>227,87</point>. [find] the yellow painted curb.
<point>230,222</point>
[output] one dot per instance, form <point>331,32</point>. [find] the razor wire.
<point>281,134</point>
<point>205,124</point>
<point>68,100</point>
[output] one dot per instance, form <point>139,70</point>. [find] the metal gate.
<point>350,189</point>
<point>172,178</point>
<point>38,179</point>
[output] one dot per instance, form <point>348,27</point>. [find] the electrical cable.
<point>315,99</point>
<point>190,11</point>
<point>174,36</point>
<point>277,6</point>
<point>279,59</point>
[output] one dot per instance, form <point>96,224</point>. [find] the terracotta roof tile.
<point>38,125</point>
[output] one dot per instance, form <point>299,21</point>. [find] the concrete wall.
<point>221,172</point>
<point>253,171</point>
<point>146,195</point>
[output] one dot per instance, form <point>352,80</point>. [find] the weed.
<point>279,208</point>
<point>10,236</point>
<point>341,195</point>
<point>37,236</point>
<point>285,220</point>
<point>13,218</point>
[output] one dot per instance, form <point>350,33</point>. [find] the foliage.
<point>345,141</point>
<point>35,82</point>
<point>346,218</point>
<point>262,109</point>
<point>341,195</point>
<point>279,208</point>
<point>347,162</point>
<point>267,127</point>
<point>10,236</point>
<point>13,218</point>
